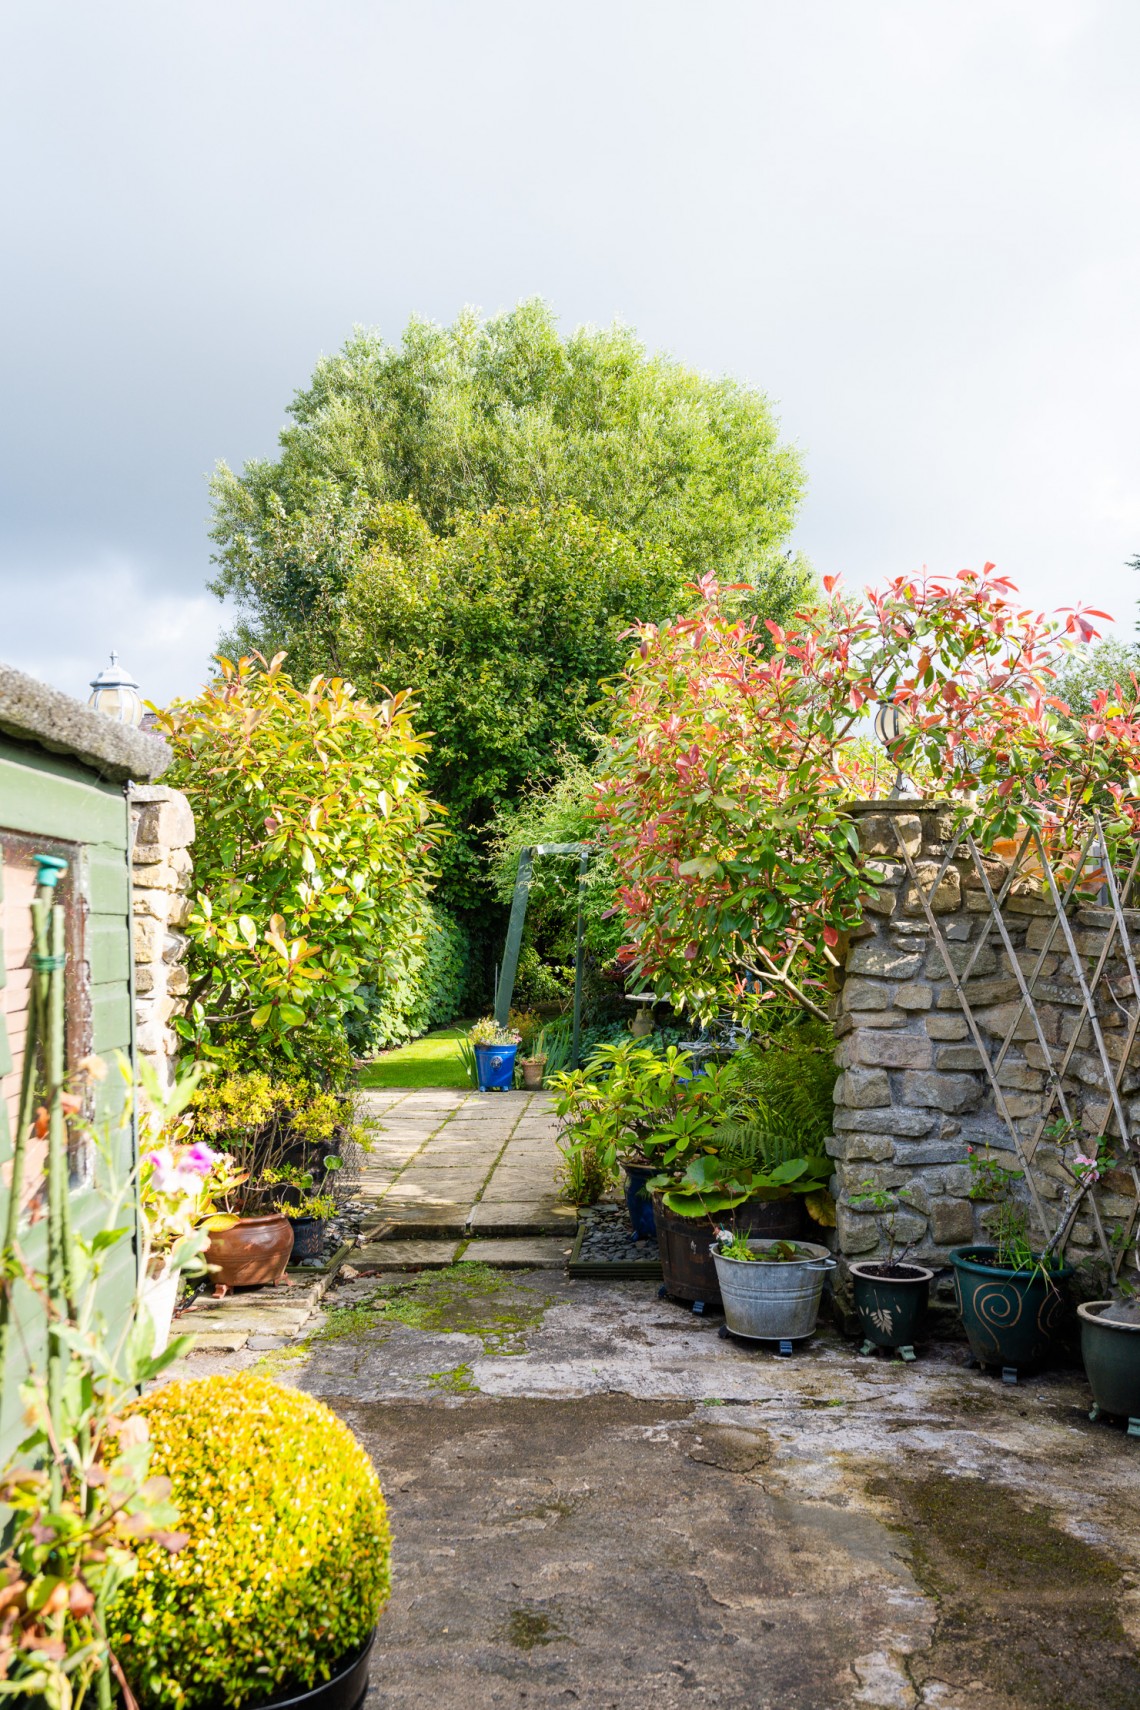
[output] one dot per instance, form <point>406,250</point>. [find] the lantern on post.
<point>891,724</point>
<point>115,694</point>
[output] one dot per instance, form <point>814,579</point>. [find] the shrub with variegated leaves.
<point>736,747</point>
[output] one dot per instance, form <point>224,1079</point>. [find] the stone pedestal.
<point>162,830</point>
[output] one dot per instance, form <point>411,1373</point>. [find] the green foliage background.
<point>479,514</point>
<point>440,983</point>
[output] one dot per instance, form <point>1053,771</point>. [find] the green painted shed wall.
<point>52,796</point>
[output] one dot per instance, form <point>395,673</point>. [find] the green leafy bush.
<point>273,1129</point>
<point>285,1570</point>
<point>312,858</point>
<point>753,1127</point>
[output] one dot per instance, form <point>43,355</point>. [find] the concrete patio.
<point>596,1501</point>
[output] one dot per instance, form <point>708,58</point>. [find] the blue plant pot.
<point>495,1067</point>
<point>638,1201</point>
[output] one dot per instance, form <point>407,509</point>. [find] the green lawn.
<point>432,1061</point>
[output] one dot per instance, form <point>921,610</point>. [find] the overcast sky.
<point>916,226</point>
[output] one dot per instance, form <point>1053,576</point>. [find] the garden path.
<point>448,1167</point>
<point>451,1175</point>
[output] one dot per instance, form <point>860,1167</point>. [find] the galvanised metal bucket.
<point>777,1301</point>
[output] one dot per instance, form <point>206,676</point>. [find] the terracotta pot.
<point>533,1069</point>
<point>254,1252</point>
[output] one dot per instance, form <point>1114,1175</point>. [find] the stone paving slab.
<point>514,1217</point>
<point>413,1222</point>
<point>516,1190</point>
<point>445,1189</point>
<point>405,1256</point>
<point>456,1155</point>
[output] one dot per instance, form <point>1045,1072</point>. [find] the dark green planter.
<point>1012,1319</point>
<point>1111,1353</point>
<point>891,1309</point>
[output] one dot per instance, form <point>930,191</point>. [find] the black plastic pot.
<point>346,1690</point>
<point>308,1237</point>
<point>638,1201</point>
<point>687,1267</point>
<point>891,1309</point>
<point>1111,1353</point>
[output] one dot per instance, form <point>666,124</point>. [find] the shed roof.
<point>32,712</point>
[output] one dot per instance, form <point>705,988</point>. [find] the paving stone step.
<point>404,1256</point>
<point>507,1218</point>
<point>542,1253</point>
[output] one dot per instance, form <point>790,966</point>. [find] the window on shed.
<point>17,891</point>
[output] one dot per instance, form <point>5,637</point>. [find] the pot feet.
<point>1009,1374</point>
<point>1134,1426</point>
<point>907,1353</point>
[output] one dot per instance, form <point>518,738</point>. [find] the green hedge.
<point>436,989</point>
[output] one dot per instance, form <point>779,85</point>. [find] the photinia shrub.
<point>736,746</point>
<point>312,858</point>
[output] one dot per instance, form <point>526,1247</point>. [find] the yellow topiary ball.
<point>286,1570</point>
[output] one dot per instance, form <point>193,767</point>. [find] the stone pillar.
<point>162,830</point>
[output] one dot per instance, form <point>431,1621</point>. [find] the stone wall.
<point>913,1096</point>
<point>162,830</point>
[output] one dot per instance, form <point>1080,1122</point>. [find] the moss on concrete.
<point>1023,1606</point>
<point>467,1299</point>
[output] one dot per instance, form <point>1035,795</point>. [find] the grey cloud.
<point>916,227</point>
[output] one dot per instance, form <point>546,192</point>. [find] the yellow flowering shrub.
<point>286,1568</point>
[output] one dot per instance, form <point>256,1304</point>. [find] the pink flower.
<point>200,1158</point>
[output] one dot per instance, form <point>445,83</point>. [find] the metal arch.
<point>510,967</point>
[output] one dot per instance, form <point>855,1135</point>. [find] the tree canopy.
<point>480,513</point>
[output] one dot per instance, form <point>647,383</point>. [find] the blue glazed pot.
<point>638,1201</point>
<point>495,1067</point>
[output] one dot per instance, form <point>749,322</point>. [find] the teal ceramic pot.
<point>891,1309</point>
<point>1012,1319</point>
<point>1111,1353</point>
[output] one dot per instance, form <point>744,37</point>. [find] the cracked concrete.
<point>597,1501</point>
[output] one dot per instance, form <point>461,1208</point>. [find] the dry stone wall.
<point>913,1095</point>
<point>162,829</point>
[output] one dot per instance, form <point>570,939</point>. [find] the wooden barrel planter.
<point>687,1266</point>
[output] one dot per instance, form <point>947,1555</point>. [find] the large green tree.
<point>480,513</point>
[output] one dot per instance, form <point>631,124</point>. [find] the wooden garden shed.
<point>65,774</point>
